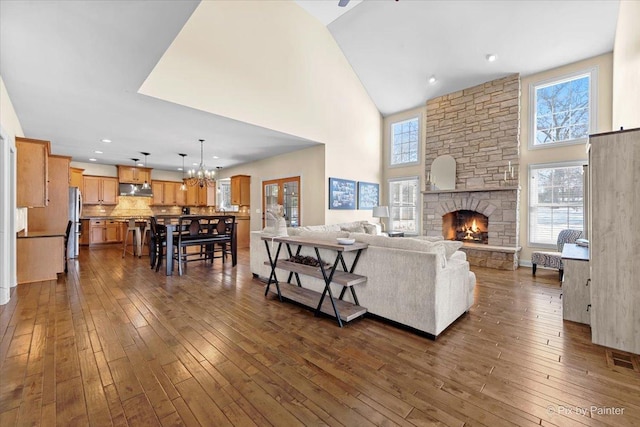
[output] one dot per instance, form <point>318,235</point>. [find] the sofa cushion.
<point>356,227</point>
<point>449,247</point>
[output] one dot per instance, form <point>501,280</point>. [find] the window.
<point>223,198</point>
<point>556,201</point>
<point>563,110</point>
<point>403,204</point>
<point>285,192</point>
<point>405,142</point>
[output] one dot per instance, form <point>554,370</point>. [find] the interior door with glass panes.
<point>285,192</point>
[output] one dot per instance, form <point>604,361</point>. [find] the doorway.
<point>285,192</point>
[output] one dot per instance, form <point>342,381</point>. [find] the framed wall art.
<point>368,195</point>
<point>342,194</point>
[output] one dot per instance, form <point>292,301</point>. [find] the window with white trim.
<point>563,110</point>
<point>403,204</point>
<point>405,142</point>
<point>556,201</point>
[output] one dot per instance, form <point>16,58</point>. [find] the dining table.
<point>171,222</point>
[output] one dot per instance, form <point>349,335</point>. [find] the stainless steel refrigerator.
<point>75,210</point>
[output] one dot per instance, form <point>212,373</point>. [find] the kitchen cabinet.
<point>32,161</point>
<point>167,193</point>
<point>241,190</point>
<point>243,231</point>
<point>33,250</point>
<point>75,178</point>
<point>201,196</point>
<point>105,231</point>
<point>100,190</point>
<point>85,230</point>
<point>54,216</point>
<point>133,174</point>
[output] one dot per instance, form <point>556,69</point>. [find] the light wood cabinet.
<point>576,301</point>
<point>200,196</point>
<point>167,193</point>
<point>32,172</point>
<point>100,190</point>
<point>76,179</point>
<point>105,231</point>
<point>133,174</point>
<point>243,232</point>
<point>241,190</point>
<point>85,232</point>
<point>39,258</point>
<point>614,248</point>
<point>54,216</point>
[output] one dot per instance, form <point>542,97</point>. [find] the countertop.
<point>573,251</point>
<point>33,234</point>
<point>125,218</point>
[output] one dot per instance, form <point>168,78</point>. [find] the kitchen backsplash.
<point>132,206</point>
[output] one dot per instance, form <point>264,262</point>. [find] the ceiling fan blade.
<point>343,3</point>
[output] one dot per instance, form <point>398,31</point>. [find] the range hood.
<point>135,190</point>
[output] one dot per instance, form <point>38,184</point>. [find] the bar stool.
<point>144,232</point>
<point>134,237</point>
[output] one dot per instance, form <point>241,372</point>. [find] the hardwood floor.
<point>114,343</point>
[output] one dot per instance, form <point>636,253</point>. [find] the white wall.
<point>273,65</point>
<point>626,67</point>
<point>9,128</point>
<point>308,164</point>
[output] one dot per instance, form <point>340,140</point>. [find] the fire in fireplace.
<point>466,226</point>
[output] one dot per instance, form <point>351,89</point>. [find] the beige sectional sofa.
<point>421,283</point>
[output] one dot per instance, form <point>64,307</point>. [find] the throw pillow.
<point>371,229</point>
<point>353,228</point>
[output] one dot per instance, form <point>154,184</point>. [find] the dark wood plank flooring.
<point>114,343</point>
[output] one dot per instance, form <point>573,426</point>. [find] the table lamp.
<point>381,212</point>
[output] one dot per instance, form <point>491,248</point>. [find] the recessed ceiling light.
<point>179,169</point>
<point>492,57</point>
<point>106,141</point>
<point>216,157</point>
<point>194,164</point>
<point>140,164</point>
<point>98,152</point>
<point>432,80</point>
<point>93,160</point>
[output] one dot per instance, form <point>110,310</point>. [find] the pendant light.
<point>183,187</point>
<point>146,185</point>
<point>134,187</point>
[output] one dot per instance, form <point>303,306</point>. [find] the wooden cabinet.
<point>133,174</point>
<point>243,232</point>
<point>200,196</point>
<point>32,172</point>
<point>85,232</point>
<point>54,216</point>
<point>576,301</point>
<point>100,190</point>
<point>167,193</point>
<point>615,202</point>
<point>241,190</point>
<point>105,231</point>
<point>75,178</point>
<point>39,258</point>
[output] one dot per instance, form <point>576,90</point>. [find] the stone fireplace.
<point>479,127</point>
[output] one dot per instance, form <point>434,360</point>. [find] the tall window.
<point>556,201</point>
<point>405,142</point>
<point>403,204</point>
<point>563,110</point>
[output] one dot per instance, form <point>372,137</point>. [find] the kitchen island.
<point>40,256</point>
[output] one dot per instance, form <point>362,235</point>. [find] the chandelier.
<point>202,177</point>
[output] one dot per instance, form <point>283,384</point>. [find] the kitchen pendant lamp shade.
<point>201,177</point>
<point>183,186</point>
<point>146,185</point>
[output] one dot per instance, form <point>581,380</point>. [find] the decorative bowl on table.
<point>345,241</point>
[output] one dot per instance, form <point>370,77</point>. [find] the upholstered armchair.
<point>554,259</point>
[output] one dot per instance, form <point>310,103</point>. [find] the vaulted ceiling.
<point>73,69</point>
